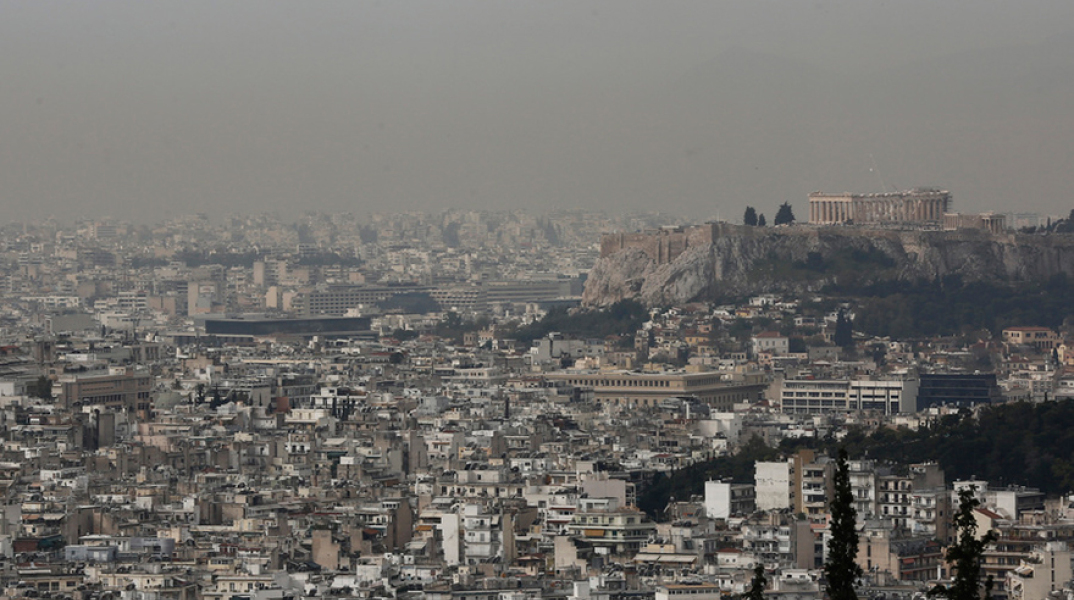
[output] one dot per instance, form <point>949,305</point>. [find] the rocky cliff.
<point>749,260</point>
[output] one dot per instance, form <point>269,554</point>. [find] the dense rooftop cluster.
<point>180,420</point>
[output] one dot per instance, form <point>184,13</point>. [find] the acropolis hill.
<point>717,260</point>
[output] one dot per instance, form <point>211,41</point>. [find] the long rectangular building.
<point>338,299</point>
<point>811,396</point>
<point>296,327</point>
<point>719,390</point>
<point>122,389</point>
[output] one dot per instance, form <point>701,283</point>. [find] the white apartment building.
<point>772,485</point>
<point>810,396</point>
<point>723,499</point>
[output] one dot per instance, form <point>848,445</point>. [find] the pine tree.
<point>761,222</point>
<point>965,555</point>
<point>756,591</point>
<point>785,214</point>
<point>841,570</point>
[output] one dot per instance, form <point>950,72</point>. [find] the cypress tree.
<point>785,214</point>
<point>841,570</point>
<point>844,331</point>
<point>750,217</point>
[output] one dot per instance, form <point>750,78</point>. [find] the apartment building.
<point>811,396</point>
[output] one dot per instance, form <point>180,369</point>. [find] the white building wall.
<point>772,482</point>
<point>449,525</point>
<point>717,499</point>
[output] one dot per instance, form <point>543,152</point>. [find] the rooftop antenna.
<point>876,169</point>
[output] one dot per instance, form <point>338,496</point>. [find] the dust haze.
<point>144,110</point>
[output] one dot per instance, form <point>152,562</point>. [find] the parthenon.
<point>912,206</point>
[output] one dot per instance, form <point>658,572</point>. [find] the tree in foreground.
<point>841,570</point>
<point>785,214</point>
<point>750,218</point>
<point>756,591</point>
<point>965,556</point>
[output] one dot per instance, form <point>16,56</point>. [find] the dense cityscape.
<point>445,407</point>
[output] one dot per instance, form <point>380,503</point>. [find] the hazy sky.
<point>145,110</point>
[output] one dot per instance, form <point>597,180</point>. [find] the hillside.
<point>742,261</point>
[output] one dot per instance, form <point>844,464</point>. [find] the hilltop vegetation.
<point>950,306</point>
<point>623,317</point>
<point>1008,444</point>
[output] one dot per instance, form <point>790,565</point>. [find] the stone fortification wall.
<point>662,246</point>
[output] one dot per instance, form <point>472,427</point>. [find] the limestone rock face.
<point>741,261</point>
<point>613,280</point>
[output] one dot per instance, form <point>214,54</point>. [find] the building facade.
<point>123,389</point>
<point>810,396</point>
<point>628,388</point>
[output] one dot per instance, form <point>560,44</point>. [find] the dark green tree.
<point>761,221</point>
<point>756,591</point>
<point>750,218</point>
<point>844,331</point>
<point>785,214</point>
<point>965,555</point>
<point>41,388</point>
<point>841,570</point>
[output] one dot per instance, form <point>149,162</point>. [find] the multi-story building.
<point>692,591</point>
<point>903,558</point>
<point>1045,571</point>
<point>781,538</point>
<point>810,396</point>
<point>863,487</point>
<point>119,389</point>
<point>956,389</point>
<point>770,341</point>
<point>617,531</point>
<point>914,501</point>
<point>482,534</point>
<point>720,390</point>
<point>1021,544</point>
<point>338,299</point>
<point>724,499</point>
<point>772,485</point>
<point>812,484</point>
<point>1040,338</point>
